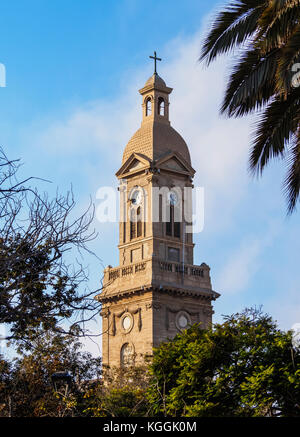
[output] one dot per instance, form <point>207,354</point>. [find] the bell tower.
<point>156,291</point>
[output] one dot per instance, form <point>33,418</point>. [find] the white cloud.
<point>98,126</point>
<point>240,267</point>
<point>284,306</point>
<point>219,147</point>
<point>244,261</point>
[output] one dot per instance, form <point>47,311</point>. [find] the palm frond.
<point>275,129</point>
<point>292,180</point>
<point>231,27</point>
<point>275,9</point>
<point>251,83</point>
<point>290,55</point>
<point>278,30</point>
<point>268,34</point>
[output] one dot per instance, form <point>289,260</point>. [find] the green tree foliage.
<point>5,384</point>
<point>25,384</point>
<point>265,38</point>
<point>26,388</point>
<point>124,393</point>
<point>245,366</point>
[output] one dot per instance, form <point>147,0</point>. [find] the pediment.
<point>135,163</point>
<point>174,162</point>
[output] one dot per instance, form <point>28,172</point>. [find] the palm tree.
<point>265,38</point>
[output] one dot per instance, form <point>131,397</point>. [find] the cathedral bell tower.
<point>156,291</point>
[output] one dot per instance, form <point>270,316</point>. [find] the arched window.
<point>124,232</point>
<point>127,355</point>
<point>137,213</point>
<point>172,225</point>
<point>169,223</point>
<point>132,223</point>
<point>138,222</point>
<point>148,106</point>
<point>161,106</point>
<point>176,228</point>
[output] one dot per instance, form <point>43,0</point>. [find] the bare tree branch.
<point>39,285</point>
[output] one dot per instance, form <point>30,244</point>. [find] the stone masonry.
<point>156,291</point>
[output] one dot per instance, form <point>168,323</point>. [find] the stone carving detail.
<point>154,305</point>
<point>130,311</point>
<point>140,319</point>
<point>113,328</point>
<point>175,311</point>
<point>105,313</point>
<point>152,178</point>
<point>182,320</point>
<point>127,322</point>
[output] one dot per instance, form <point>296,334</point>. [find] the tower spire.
<point>155,58</point>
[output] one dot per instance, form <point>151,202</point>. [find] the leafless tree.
<point>42,281</point>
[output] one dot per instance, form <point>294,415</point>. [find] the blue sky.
<point>71,104</point>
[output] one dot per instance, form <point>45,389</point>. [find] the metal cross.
<point>155,59</point>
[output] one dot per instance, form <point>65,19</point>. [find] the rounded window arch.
<point>132,223</point>
<point>137,212</point>
<point>127,355</point>
<point>161,106</point>
<point>138,222</point>
<point>148,106</point>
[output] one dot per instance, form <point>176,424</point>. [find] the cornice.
<point>201,293</point>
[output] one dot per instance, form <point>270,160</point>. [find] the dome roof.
<point>155,140</point>
<point>155,80</point>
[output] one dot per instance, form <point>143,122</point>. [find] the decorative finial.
<point>155,58</point>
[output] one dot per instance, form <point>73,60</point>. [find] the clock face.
<point>136,197</point>
<point>172,198</point>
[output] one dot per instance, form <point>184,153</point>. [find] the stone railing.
<point>187,269</point>
<point>120,272</point>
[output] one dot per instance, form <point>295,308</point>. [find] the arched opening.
<point>137,213</point>
<point>148,107</point>
<point>127,355</point>
<point>132,223</point>
<point>138,222</point>
<point>161,106</point>
<point>173,226</point>
<point>169,223</point>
